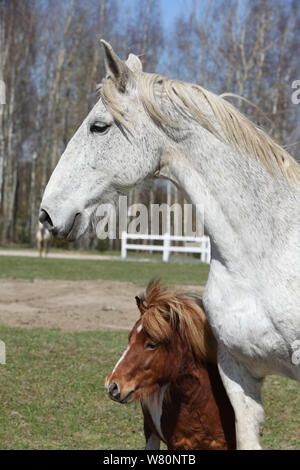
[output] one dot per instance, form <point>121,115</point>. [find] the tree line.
<point>51,63</point>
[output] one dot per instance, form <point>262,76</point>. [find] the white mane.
<point>236,129</point>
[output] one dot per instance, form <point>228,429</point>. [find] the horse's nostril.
<point>114,390</point>
<point>45,217</point>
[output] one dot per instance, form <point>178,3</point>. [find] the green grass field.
<point>52,386</point>
<point>52,395</point>
<point>138,272</point>
<point>52,392</point>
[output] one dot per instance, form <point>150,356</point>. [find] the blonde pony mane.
<point>236,129</point>
<point>166,310</point>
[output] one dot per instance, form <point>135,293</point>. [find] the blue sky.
<point>171,8</point>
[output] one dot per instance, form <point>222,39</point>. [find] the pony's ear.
<point>134,63</point>
<point>142,306</point>
<point>116,69</point>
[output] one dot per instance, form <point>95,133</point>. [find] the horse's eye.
<point>99,128</point>
<point>150,345</point>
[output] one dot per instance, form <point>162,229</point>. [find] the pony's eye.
<point>98,128</point>
<point>150,345</point>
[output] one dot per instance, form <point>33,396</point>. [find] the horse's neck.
<point>235,197</point>
<point>191,383</point>
<point>194,397</point>
<point>154,405</point>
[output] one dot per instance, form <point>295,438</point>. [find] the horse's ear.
<point>134,63</point>
<point>141,305</point>
<point>116,69</point>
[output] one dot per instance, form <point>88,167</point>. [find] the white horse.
<point>148,125</point>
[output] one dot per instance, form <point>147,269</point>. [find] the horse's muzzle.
<point>115,393</point>
<point>67,229</point>
<point>45,219</point>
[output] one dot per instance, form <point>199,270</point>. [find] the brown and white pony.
<point>170,366</point>
<point>42,238</point>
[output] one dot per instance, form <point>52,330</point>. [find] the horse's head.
<point>113,149</point>
<point>172,329</point>
<point>144,366</point>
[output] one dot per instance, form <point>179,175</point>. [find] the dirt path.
<point>72,255</point>
<point>69,305</point>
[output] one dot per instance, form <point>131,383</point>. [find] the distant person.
<point>42,238</point>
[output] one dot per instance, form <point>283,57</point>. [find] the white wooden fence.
<point>191,245</point>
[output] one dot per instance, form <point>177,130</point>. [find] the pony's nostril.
<point>44,217</point>
<point>114,390</point>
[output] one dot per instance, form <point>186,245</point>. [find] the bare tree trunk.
<point>10,180</point>
<point>55,89</point>
<point>146,28</point>
<point>2,152</point>
<point>3,56</point>
<point>32,212</point>
<point>169,202</point>
<point>92,76</point>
